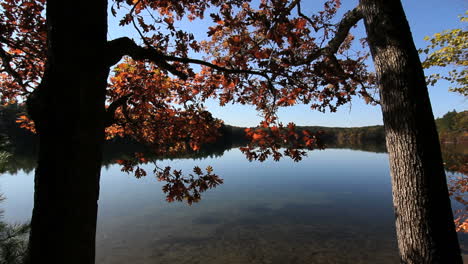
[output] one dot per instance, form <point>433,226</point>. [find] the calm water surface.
<point>333,207</point>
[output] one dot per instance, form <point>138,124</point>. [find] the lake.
<point>335,206</point>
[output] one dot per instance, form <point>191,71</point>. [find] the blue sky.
<point>425,18</point>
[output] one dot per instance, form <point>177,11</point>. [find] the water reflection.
<point>313,211</point>
<point>264,213</point>
<point>456,158</point>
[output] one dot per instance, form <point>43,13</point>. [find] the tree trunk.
<point>68,109</point>
<point>424,219</point>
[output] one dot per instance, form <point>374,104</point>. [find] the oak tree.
<point>316,69</point>
<point>269,55</point>
<point>56,56</point>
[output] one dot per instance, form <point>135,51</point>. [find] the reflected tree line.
<point>20,146</point>
<point>18,149</point>
<point>452,127</point>
<point>13,237</point>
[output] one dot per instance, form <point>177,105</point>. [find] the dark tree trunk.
<point>424,219</point>
<point>68,109</point>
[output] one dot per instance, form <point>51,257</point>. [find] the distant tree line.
<point>453,127</point>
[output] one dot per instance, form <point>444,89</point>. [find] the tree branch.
<point>125,46</point>
<point>6,59</point>
<point>299,12</point>
<point>349,20</point>
<point>216,67</point>
<point>10,43</point>
<point>292,5</point>
<point>120,47</point>
<point>110,112</point>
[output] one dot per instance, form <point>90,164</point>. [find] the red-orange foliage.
<point>269,55</point>
<point>22,47</point>
<point>155,96</point>
<point>159,111</point>
<point>458,189</point>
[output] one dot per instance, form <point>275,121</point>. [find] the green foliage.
<point>350,135</point>
<point>449,48</point>
<point>13,241</point>
<point>4,155</point>
<point>453,127</point>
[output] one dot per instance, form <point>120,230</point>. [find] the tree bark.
<point>424,219</point>
<point>68,110</point>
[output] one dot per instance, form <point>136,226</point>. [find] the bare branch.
<point>292,5</point>
<point>133,7</point>
<point>349,20</point>
<point>216,67</point>
<point>299,12</point>
<point>125,46</point>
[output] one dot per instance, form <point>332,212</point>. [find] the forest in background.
<point>452,128</point>
<point>21,147</point>
<point>22,144</point>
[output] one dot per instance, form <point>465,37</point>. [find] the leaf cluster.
<point>268,54</point>
<point>22,47</point>
<point>449,48</point>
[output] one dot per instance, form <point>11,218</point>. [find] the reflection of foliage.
<point>178,187</point>
<point>371,146</point>
<point>4,155</point>
<point>458,189</point>
<point>269,140</point>
<point>456,162</point>
<point>351,135</point>
<point>17,141</point>
<point>189,188</point>
<point>13,241</point>
<point>453,128</point>
<point>449,48</point>
<point>370,138</point>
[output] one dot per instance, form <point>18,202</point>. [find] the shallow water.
<point>333,207</point>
